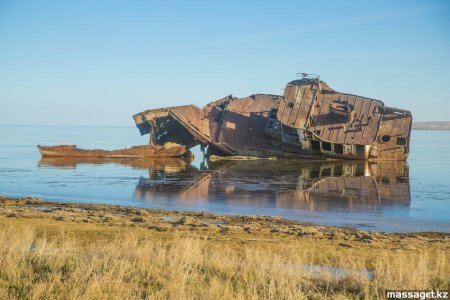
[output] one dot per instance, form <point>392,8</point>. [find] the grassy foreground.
<point>81,251</point>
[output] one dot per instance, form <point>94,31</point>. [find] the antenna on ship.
<point>311,77</point>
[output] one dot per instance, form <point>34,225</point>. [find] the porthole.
<point>385,138</point>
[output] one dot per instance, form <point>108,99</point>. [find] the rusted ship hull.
<point>135,151</point>
<point>310,120</point>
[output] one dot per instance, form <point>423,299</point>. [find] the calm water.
<point>396,196</point>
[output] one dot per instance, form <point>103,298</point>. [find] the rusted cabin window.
<point>315,145</point>
<point>326,146</point>
<point>273,113</point>
<point>326,172</point>
<point>338,149</point>
<point>359,149</point>
<point>401,141</point>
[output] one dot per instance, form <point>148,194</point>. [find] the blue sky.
<point>100,62</point>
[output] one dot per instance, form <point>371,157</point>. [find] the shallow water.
<point>395,197</point>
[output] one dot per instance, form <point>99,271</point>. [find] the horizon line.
<point>55,125</point>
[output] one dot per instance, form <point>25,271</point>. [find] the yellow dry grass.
<point>43,259</point>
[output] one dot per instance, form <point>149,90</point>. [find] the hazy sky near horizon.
<point>100,62</point>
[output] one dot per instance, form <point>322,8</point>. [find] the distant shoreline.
<point>431,125</point>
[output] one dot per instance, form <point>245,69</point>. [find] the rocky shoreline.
<point>211,225</point>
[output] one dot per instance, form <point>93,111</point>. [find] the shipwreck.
<point>310,120</point>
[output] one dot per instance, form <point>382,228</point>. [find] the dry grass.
<point>41,259</point>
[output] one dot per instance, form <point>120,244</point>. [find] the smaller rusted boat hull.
<point>169,150</point>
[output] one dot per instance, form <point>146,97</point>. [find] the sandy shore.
<point>211,255</point>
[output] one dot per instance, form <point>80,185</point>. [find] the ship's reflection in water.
<point>287,184</point>
<point>347,193</point>
<point>169,165</point>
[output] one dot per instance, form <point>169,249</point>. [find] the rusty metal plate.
<point>362,127</point>
<point>294,109</point>
<point>193,119</point>
<point>244,122</point>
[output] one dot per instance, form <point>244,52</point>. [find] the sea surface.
<point>391,197</point>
